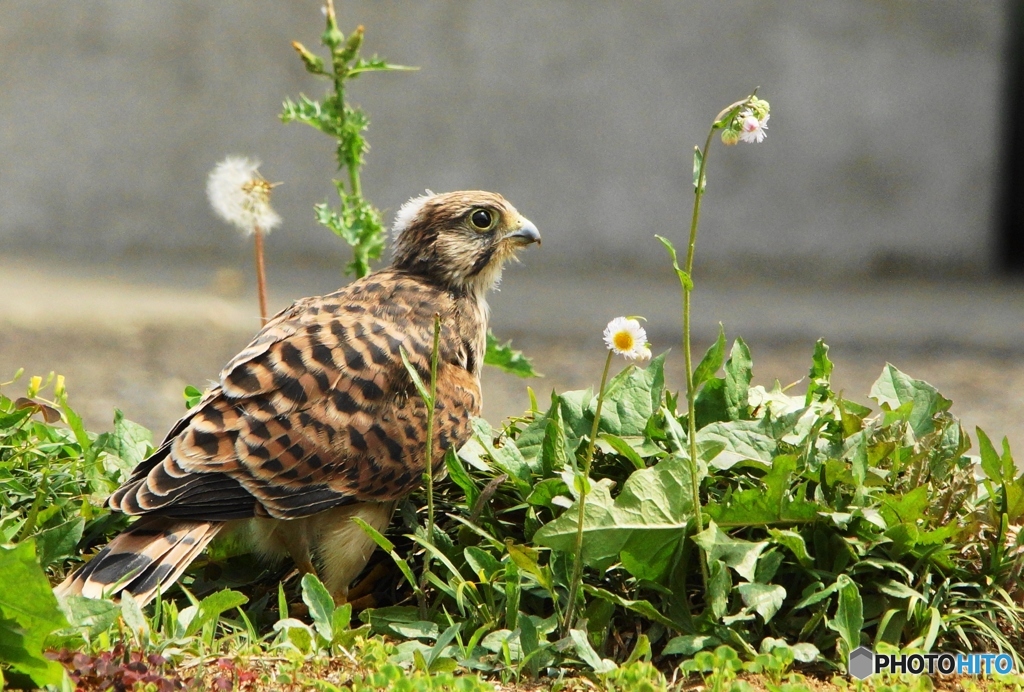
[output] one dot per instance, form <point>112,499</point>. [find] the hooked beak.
<point>526,234</point>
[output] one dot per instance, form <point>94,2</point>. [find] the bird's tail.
<point>150,554</point>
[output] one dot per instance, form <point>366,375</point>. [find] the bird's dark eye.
<point>482,219</point>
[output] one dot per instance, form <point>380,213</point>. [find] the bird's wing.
<point>316,412</point>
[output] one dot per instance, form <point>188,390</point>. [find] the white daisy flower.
<point>241,196</point>
<point>625,337</point>
<point>751,129</point>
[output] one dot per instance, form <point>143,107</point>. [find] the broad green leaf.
<point>849,618</point>
<point>765,599</point>
<point>689,644</point>
<point>506,457</point>
<point>719,588</point>
<point>504,357</point>
<point>738,374</point>
<point>457,472</point>
<point>93,615</point>
<point>215,605</point>
<point>588,655</point>
<point>483,564</point>
<point>794,542</point>
<point>526,559</point>
<point>554,455</point>
<point>736,553</point>
<point>990,462</point>
<point>135,619</point>
<point>28,614</point>
<point>622,447</point>
<point>894,389</point>
<point>641,607</point>
<point>712,360</point>
<point>773,503</point>
<point>131,441</point>
<point>648,518</point>
<point>59,542</point>
<point>739,440</point>
<point>321,606</point>
<point>631,398</point>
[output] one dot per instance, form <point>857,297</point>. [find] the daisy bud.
<point>313,63</point>
<point>730,137</point>
<point>241,196</point>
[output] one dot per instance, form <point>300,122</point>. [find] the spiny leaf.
<point>504,357</point>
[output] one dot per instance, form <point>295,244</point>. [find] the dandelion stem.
<point>429,463</point>
<point>691,395</point>
<point>261,275</point>
<point>577,567</point>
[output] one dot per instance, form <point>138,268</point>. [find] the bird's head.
<point>460,239</point>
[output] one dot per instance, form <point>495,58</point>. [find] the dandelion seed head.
<point>625,337</point>
<point>241,196</point>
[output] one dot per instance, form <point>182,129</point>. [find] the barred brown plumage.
<point>316,420</point>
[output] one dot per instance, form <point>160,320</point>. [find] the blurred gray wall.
<point>882,148</point>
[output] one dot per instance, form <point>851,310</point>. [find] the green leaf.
<point>689,644</point>
<point>136,620</point>
<point>507,457</point>
<point>457,472</point>
<point>738,374</point>
<point>894,389</point>
<point>59,542</point>
<point>719,588</point>
<point>849,619</point>
<point>820,374</point>
<point>645,522</point>
<point>131,442</point>
<point>28,614</point>
<point>712,360</point>
<point>773,503</point>
<point>215,605</point>
<point>389,547</point>
<point>736,553</point>
<point>321,605</point>
<point>192,396</point>
<point>631,398</point>
<point>588,655</point>
<point>698,161</point>
<point>765,599</point>
<point>736,441</point>
<point>641,607</point>
<point>990,462</point>
<point>795,543</point>
<point>414,374</point>
<point>684,279</point>
<point>504,357</point>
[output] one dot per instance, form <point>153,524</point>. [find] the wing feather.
<point>318,410</point>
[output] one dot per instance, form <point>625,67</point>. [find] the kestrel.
<point>317,420</point>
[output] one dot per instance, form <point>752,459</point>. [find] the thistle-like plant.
<point>355,220</point>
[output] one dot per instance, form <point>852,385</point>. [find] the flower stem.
<point>429,462</point>
<point>691,395</point>
<point>577,567</point>
<point>261,276</point>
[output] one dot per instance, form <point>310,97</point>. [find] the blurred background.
<point>883,213</point>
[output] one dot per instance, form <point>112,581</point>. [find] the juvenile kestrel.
<point>317,421</point>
